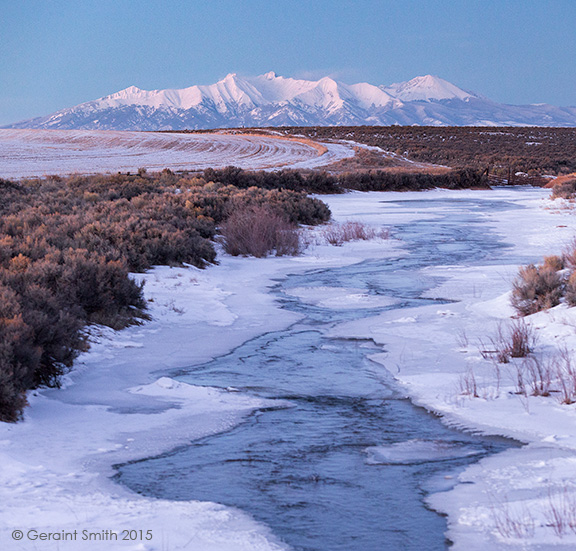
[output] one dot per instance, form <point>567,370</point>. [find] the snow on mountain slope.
<point>253,92</point>
<point>271,100</point>
<point>427,88</point>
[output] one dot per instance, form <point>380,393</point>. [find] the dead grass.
<point>516,340</point>
<point>540,374</point>
<point>338,234</point>
<point>522,339</point>
<point>561,513</point>
<point>468,385</point>
<point>566,376</point>
<point>513,523</point>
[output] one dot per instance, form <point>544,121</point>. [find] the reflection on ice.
<point>417,451</point>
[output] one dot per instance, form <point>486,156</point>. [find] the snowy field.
<point>37,153</point>
<point>117,405</point>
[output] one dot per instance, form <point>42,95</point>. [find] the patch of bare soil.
<point>367,159</point>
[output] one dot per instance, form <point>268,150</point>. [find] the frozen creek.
<point>344,460</point>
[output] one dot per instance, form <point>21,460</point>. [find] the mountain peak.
<point>270,75</point>
<point>427,88</point>
<point>229,76</point>
<point>122,94</point>
<point>132,89</point>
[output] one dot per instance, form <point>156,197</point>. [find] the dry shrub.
<point>516,341</point>
<point>536,288</point>
<point>383,180</point>
<point>569,256</point>
<point>372,180</point>
<point>540,374</point>
<point>468,385</point>
<point>500,347</point>
<point>561,513</point>
<point>288,242</point>
<point>312,182</point>
<point>544,376</point>
<point>566,375</point>
<point>67,246</point>
<point>512,522</point>
<point>570,290</point>
<point>565,189</point>
<point>522,339</point>
<point>554,262</point>
<point>258,231</point>
<point>338,234</point>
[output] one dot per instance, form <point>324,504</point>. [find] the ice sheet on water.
<point>419,451</point>
<point>338,298</point>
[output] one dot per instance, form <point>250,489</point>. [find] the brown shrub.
<point>521,339</point>
<point>338,234</point>
<point>257,231</point>
<point>536,288</point>
<point>570,290</point>
<point>67,246</point>
<point>554,262</point>
<point>565,189</point>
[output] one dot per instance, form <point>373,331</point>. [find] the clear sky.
<point>58,53</point>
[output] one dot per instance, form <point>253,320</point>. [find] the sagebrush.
<point>67,246</point>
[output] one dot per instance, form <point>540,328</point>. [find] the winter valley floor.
<point>118,405</point>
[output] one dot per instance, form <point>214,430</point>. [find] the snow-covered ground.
<point>117,405</point>
<point>37,153</point>
<point>526,497</point>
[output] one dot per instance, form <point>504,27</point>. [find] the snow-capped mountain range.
<point>271,100</point>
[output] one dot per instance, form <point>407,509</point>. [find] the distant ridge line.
<point>270,100</point>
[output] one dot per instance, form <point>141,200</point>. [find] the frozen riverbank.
<point>524,497</point>
<point>115,409</point>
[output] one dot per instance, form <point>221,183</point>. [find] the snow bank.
<point>526,497</point>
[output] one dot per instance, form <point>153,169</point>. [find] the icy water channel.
<point>307,470</point>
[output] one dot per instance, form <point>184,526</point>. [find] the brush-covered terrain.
<point>67,246</point>
<point>502,151</point>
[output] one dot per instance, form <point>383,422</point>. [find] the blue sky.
<point>58,53</point>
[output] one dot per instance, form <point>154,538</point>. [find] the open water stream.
<point>308,468</point>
